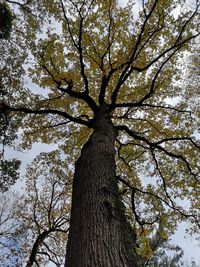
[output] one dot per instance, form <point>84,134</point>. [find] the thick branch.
<point>85,96</point>
<point>80,51</point>
<point>125,75</point>
<point>137,104</point>
<point>36,246</point>
<point>4,107</point>
<point>156,145</point>
<point>69,89</point>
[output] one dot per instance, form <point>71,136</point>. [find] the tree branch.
<point>69,89</point>
<point>129,69</point>
<point>157,146</point>
<point>137,104</point>
<point>4,107</point>
<point>156,197</point>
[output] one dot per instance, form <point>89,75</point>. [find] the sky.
<point>190,246</point>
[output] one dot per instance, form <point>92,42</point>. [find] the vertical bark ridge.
<point>98,235</point>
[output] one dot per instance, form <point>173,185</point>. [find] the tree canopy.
<point>74,56</point>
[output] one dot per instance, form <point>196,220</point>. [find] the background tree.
<point>6,19</point>
<point>164,254</point>
<point>12,57</point>
<point>109,73</point>
<point>44,212</point>
<point>34,228</point>
<point>10,236</point>
<point>9,168</point>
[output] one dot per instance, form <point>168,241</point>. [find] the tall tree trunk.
<point>99,234</point>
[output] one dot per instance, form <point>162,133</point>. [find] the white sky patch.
<point>122,3</point>
<point>137,6</point>
<point>196,134</point>
<point>190,246</point>
<point>34,88</point>
<point>173,100</point>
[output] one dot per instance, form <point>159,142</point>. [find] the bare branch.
<point>69,89</point>
<point>141,222</point>
<point>163,179</point>
<point>178,44</point>
<point>4,107</point>
<point>156,197</point>
<point>157,146</point>
<point>137,104</point>
<point>36,246</point>
<point>78,45</point>
<point>130,61</point>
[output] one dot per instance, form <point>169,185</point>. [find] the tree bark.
<point>99,234</point>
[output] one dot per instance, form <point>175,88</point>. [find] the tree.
<point>44,211</point>
<point>36,223</point>
<point>162,257</point>
<point>9,168</point>
<point>12,56</point>
<point>109,75</point>
<point>10,236</point>
<point>33,227</point>
<point>6,19</point>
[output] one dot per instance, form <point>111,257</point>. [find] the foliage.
<point>10,235</point>
<point>163,257</point>
<point>88,53</point>
<point>8,168</point>
<point>6,19</point>
<point>9,171</point>
<point>44,210</point>
<point>12,58</point>
<point>8,135</point>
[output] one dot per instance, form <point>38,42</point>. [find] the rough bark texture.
<point>99,234</point>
